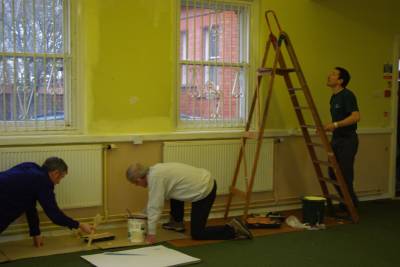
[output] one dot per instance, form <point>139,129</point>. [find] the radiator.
<point>219,157</point>
<point>82,187</point>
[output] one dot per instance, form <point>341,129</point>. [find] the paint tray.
<point>260,222</point>
<point>98,237</point>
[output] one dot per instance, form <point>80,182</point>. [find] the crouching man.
<point>27,183</point>
<point>178,183</point>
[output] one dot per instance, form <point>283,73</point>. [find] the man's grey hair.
<point>55,164</point>
<point>135,172</point>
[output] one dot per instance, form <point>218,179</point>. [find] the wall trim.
<point>145,137</point>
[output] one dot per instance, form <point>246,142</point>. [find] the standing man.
<point>345,115</point>
<point>179,182</point>
<point>23,185</point>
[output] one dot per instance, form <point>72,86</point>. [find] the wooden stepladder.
<point>298,92</point>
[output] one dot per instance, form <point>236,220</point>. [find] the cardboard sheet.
<point>152,256</point>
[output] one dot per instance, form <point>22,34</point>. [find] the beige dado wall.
<point>294,177</point>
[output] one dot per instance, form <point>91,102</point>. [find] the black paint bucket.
<point>313,210</point>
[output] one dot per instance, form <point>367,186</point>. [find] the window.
<point>213,63</point>
<point>211,38</point>
<point>34,65</point>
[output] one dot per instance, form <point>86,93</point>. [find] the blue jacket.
<point>20,188</point>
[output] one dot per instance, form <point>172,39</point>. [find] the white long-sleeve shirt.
<point>177,181</point>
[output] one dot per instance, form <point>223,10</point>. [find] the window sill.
<point>139,138</point>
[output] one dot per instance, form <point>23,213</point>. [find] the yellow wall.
<point>129,58</point>
<point>128,50</point>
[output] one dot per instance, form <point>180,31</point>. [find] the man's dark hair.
<point>344,75</point>
<point>54,163</point>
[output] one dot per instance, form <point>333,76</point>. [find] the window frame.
<point>73,101</point>
<point>249,47</point>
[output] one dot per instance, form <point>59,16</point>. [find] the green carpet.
<point>372,242</point>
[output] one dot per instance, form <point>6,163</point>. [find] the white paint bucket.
<point>137,226</point>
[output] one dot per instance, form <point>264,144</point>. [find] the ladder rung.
<point>335,197</point>
<point>315,144</point>
<point>236,191</point>
<point>278,71</point>
<point>251,135</point>
<point>328,180</point>
<point>292,90</point>
<point>308,126</point>
<point>321,162</point>
<point>300,108</point>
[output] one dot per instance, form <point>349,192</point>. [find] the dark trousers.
<point>198,219</point>
<point>345,149</point>
<point>3,224</point>
<point>6,219</point>
<point>7,216</point>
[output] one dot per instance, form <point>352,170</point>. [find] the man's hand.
<point>329,127</point>
<point>150,239</point>
<point>37,241</point>
<point>87,228</point>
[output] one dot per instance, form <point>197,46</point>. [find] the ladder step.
<point>300,108</point>
<point>239,192</point>
<point>335,197</point>
<point>292,90</point>
<point>328,180</point>
<point>278,71</point>
<point>321,162</point>
<point>251,134</point>
<point>308,126</point>
<point>315,144</point>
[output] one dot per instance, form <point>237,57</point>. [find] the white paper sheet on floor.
<point>153,256</point>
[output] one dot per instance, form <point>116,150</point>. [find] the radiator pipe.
<point>106,148</point>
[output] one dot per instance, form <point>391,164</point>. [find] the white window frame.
<point>73,101</point>
<point>249,67</point>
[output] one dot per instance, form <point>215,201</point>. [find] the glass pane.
<point>8,27</point>
<point>45,23</point>
<point>51,92</point>
<point>3,85</point>
<point>1,26</point>
<point>40,25</point>
<point>49,26</point>
<point>36,93</point>
<point>20,89</point>
<point>19,25</point>
<point>211,31</point>
<point>59,18</point>
<point>30,26</point>
<point>213,34</point>
<point>212,92</point>
<point>183,46</point>
<point>32,85</point>
<point>6,87</point>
